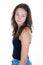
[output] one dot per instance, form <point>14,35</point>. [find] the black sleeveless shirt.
<point>16,48</point>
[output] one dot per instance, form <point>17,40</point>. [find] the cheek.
<point>16,17</point>
<point>23,19</point>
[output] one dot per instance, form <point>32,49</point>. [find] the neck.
<point>19,27</point>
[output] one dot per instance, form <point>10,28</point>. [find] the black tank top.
<point>16,48</point>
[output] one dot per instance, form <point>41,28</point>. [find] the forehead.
<point>21,10</point>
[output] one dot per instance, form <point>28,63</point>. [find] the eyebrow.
<point>22,14</point>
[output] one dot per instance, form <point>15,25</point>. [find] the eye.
<point>24,16</point>
<point>17,14</point>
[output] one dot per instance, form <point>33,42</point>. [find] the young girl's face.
<point>20,16</point>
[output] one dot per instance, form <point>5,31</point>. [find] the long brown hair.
<point>27,23</point>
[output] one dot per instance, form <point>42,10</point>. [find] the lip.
<point>18,21</point>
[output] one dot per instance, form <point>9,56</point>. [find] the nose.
<point>19,17</point>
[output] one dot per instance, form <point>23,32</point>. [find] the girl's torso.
<point>16,47</point>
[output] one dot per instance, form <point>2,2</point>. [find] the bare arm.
<point>25,41</point>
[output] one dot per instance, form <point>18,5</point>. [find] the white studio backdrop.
<point>6,47</point>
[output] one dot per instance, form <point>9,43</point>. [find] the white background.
<point>36,47</point>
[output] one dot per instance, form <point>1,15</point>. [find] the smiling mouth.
<point>18,21</point>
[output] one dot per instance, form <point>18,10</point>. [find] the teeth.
<point>18,21</point>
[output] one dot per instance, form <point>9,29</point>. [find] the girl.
<point>21,22</point>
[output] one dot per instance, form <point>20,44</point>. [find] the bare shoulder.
<point>26,34</point>
<point>26,31</point>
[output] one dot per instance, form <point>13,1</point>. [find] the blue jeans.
<point>16,62</point>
